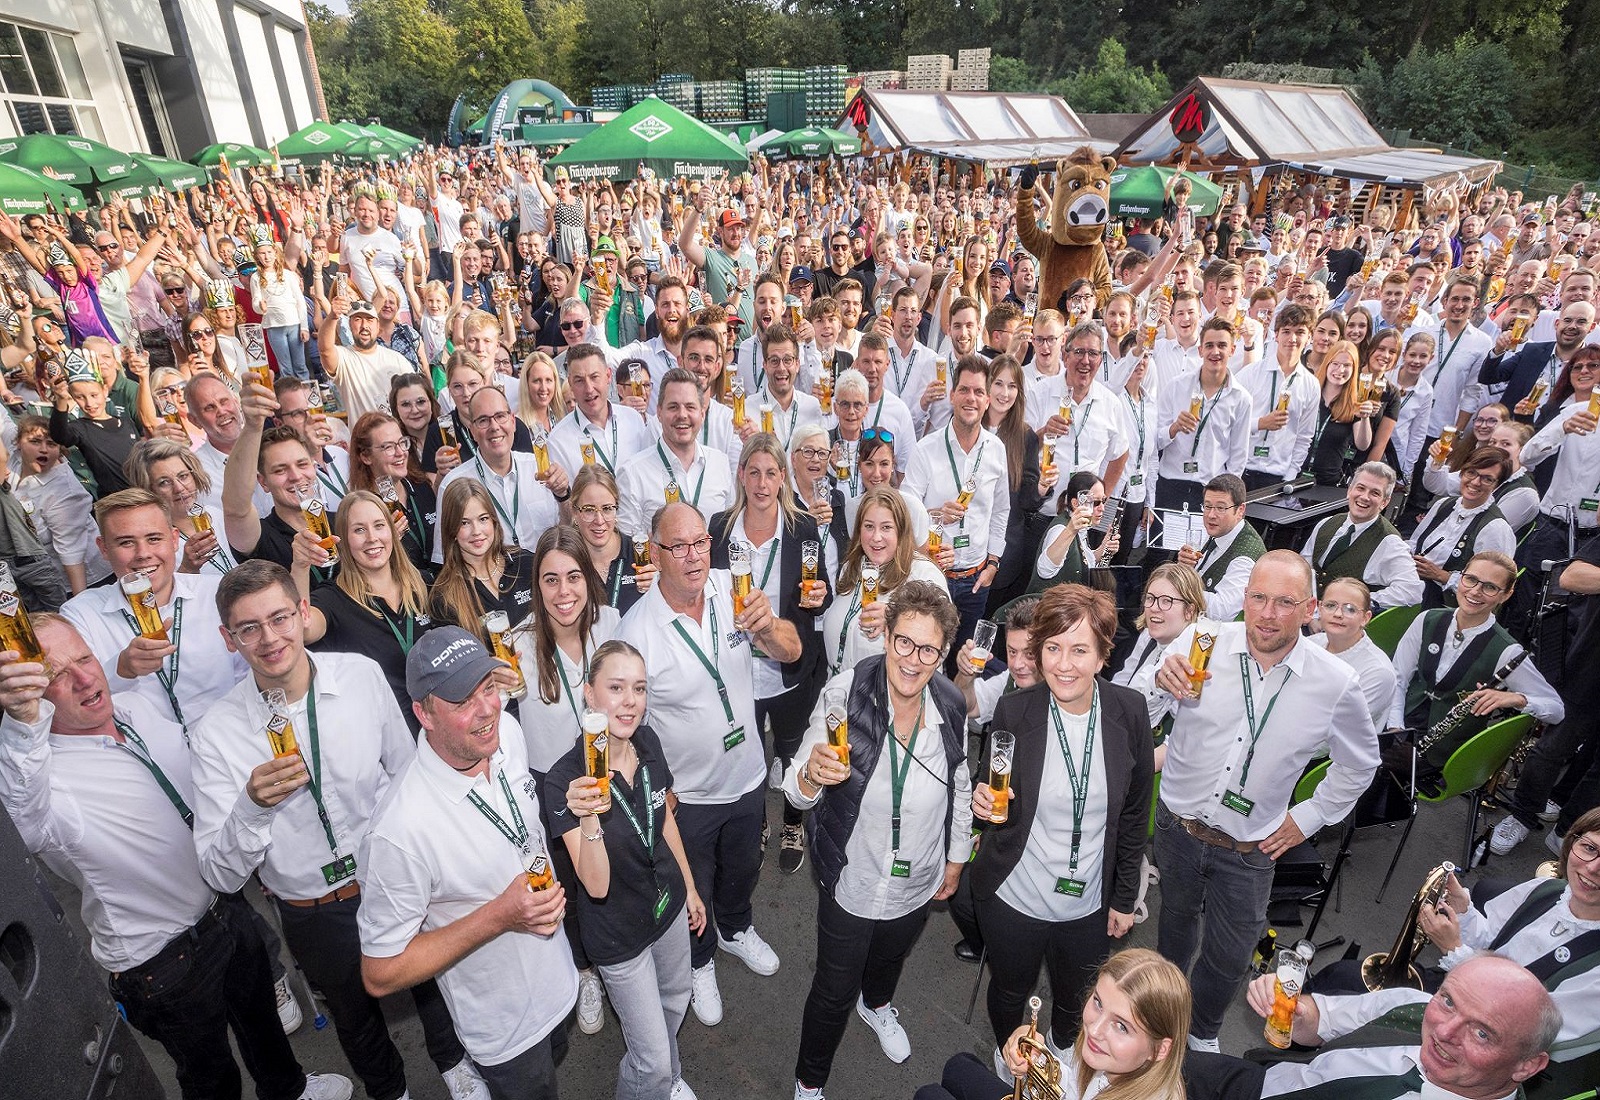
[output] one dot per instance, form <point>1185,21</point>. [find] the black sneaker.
<point>791,849</point>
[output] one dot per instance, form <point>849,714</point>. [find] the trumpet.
<point>1043,1079</point>
<point>1395,968</point>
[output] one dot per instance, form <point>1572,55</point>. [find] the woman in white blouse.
<point>1173,598</point>
<point>172,472</point>
<point>1344,613</point>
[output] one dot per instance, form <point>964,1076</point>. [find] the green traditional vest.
<point>1353,561</point>
<point>1463,548</point>
<point>1429,698</point>
<point>1246,544</point>
<point>1073,568</point>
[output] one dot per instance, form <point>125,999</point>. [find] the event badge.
<point>1191,467</point>
<point>1589,504</point>
<point>663,899</point>
<point>961,542</point>
<point>1071,887</point>
<point>340,869</point>
<point>900,868</point>
<point>1238,803</point>
<point>734,738</point>
<point>1262,451</point>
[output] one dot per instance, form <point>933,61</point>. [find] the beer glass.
<point>496,624</point>
<point>1047,452</point>
<point>836,718</point>
<point>641,555</point>
<point>541,452</point>
<point>314,398</point>
<point>541,876</point>
<point>1291,965</point>
<point>739,565</point>
<point>447,431</point>
<point>1197,402</point>
<point>141,599</point>
<point>935,537</point>
<point>968,488</point>
<point>825,392</point>
<point>170,413</point>
<point>1030,305</point>
<point>316,517</point>
<point>673,493</point>
<point>1200,647</point>
<point>983,635</point>
<point>810,554</point>
<point>16,632</point>
<point>941,370</point>
<point>597,751</point>
<point>869,584</point>
<point>588,452</point>
<point>1002,749</point>
<point>390,495</point>
<point>280,729</point>
<point>766,416</point>
<point>1283,402</point>
<point>200,518</point>
<point>738,403</point>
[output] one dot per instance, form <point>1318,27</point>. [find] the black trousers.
<point>964,911</point>
<point>1018,944</point>
<point>1568,747</point>
<point>207,982</point>
<point>723,845</point>
<point>327,944</point>
<point>531,1075</point>
<point>855,957</point>
<point>789,714</point>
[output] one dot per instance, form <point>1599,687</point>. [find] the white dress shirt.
<point>1391,567</point>
<point>891,413</point>
<point>1043,395</point>
<point>523,506</point>
<point>1281,453</point>
<point>1338,1017</point>
<point>63,518</point>
<point>549,729</point>
<point>706,483</point>
<point>939,468</point>
<point>751,363</point>
<point>1139,673</point>
<point>1543,702</point>
<point>206,671</point>
<point>920,520</point>
<point>910,374</point>
<point>362,743</point>
<point>866,888</point>
<point>803,411</point>
<point>1226,599</point>
<point>1098,435</point>
<point>1372,665</point>
<point>99,819</point>
<point>1170,360</point>
<point>713,761</point>
<point>1320,708</point>
<point>1453,374</point>
<point>1140,420</point>
<point>1221,446</point>
<point>622,436</point>
<point>844,644</point>
<point>432,859</point>
<point>1410,433</point>
<point>1437,543</point>
<point>1576,481</point>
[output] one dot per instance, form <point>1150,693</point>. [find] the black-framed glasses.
<point>680,550</point>
<point>1489,588</point>
<point>574,326</point>
<point>926,654</point>
<point>1164,603</point>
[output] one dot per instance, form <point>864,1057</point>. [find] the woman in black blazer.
<point>1086,740</point>
<point>765,517</point>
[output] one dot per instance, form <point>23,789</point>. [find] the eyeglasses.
<point>878,433</point>
<point>253,633</point>
<point>1164,603</point>
<point>926,654</point>
<point>1219,509</point>
<point>574,326</point>
<point>1283,605</point>
<point>1046,341</point>
<point>1586,850</point>
<point>199,332</point>
<point>595,511</point>
<point>680,550</point>
<point>1084,353</point>
<point>170,393</point>
<point>812,454</point>
<point>393,446</point>
<point>1350,609</point>
<point>1489,588</point>
<point>838,404</point>
<point>1480,475</point>
<point>491,420</point>
<point>783,360</point>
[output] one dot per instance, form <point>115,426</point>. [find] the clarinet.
<point>1459,713</point>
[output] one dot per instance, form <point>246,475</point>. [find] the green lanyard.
<point>711,662</point>
<point>1077,430</point>
<point>1272,402</point>
<point>519,837</point>
<point>794,417</point>
<point>610,463</point>
<point>404,641</point>
<point>561,670</point>
<point>1250,712</point>
<point>972,466</point>
<point>759,367</point>
<point>877,417</point>
<point>1138,423</point>
<point>143,756</point>
<point>1446,359</point>
<point>844,631</point>
<point>901,378</point>
<point>672,478</point>
<point>314,772</point>
<point>647,831</point>
<point>1205,415</point>
<point>1078,778</point>
<point>169,680</point>
<point>418,524</point>
<point>516,499</point>
<point>898,771</point>
<point>341,488</point>
<point>617,569</point>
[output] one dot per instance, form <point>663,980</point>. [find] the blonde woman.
<point>540,403</point>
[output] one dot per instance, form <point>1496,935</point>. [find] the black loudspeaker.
<point>61,1036</point>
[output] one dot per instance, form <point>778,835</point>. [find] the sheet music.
<point>1180,529</point>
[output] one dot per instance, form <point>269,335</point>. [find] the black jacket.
<point>811,664</point>
<point>1517,372</point>
<point>1130,770</point>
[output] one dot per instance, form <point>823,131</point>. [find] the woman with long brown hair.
<point>1029,482</point>
<point>480,572</point>
<point>384,462</point>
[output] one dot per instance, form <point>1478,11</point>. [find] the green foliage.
<point>1461,95</point>
<point>1010,74</point>
<point>1112,85</point>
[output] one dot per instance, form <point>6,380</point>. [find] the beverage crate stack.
<point>824,94</point>
<point>676,90</point>
<point>928,72</point>
<point>972,71</point>
<point>609,98</point>
<point>882,80</point>
<point>721,100</point>
<point>760,83</point>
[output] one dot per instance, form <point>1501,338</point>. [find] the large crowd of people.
<point>432,568</point>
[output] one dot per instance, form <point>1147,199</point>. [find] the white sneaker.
<point>288,1008</point>
<point>775,775</point>
<point>1507,835</point>
<point>704,994</point>
<point>327,1086</point>
<point>1551,812</point>
<point>1211,1045</point>
<point>591,1012</point>
<point>803,1093</point>
<point>682,1091</point>
<point>751,950</point>
<point>1001,1070</point>
<point>464,1083</point>
<point>885,1022</point>
<point>1553,840</point>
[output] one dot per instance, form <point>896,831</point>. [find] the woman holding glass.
<point>814,490</point>
<point>480,572</point>
<point>892,826</point>
<point>1173,599</point>
<point>539,401</point>
<point>624,566</point>
<point>172,472</point>
<point>412,403</point>
<point>1057,878</point>
<point>1344,417</point>
<point>1071,547</point>
<point>385,464</point>
<point>875,470</point>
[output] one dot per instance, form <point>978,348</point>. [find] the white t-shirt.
<point>363,378</point>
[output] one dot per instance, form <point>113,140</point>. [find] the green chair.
<point>1308,782</point>
<point>1389,626</point>
<point>1466,773</point>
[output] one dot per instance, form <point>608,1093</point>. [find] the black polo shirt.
<point>375,631</point>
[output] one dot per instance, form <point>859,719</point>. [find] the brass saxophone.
<point>1459,713</point>
<point>1395,968</point>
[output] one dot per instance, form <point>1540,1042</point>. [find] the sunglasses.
<point>574,326</point>
<point>878,433</point>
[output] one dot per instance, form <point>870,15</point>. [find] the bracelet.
<point>600,835</point>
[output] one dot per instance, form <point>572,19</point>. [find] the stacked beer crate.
<point>972,71</point>
<point>824,94</point>
<point>928,72</point>
<point>612,97</point>
<point>721,100</point>
<point>677,90</point>
<point>882,80</point>
<point>760,83</point>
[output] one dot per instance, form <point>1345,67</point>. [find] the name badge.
<point>1191,467</point>
<point>662,901</point>
<point>1238,803</point>
<point>340,869</point>
<point>1071,887</point>
<point>1135,481</point>
<point>1589,504</point>
<point>1261,451</point>
<point>961,542</point>
<point>900,868</point>
<point>734,739</point>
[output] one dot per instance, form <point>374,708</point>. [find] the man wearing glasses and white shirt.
<point>1224,817</point>
<point>677,466</point>
<point>791,409</point>
<point>698,654</point>
<point>525,502</point>
<point>613,432</point>
<point>1197,447</point>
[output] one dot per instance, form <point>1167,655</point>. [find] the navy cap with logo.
<point>448,662</point>
<point>801,274</point>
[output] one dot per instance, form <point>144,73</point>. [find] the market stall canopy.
<point>1405,167</point>
<point>1138,191</point>
<point>660,137</point>
<point>24,191</point>
<point>238,153</point>
<point>394,137</point>
<point>810,142</point>
<point>995,128</point>
<point>79,161</point>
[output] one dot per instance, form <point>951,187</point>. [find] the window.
<point>43,84</point>
<point>148,106</point>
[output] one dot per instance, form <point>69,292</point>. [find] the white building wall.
<point>294,64</point>
<point>263,82</point>
<point>219,87</point>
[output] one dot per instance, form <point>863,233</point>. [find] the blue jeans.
<point>971,606</point>
<point>288,351</point>
<point>1231,890</point>
<point>651,995</point>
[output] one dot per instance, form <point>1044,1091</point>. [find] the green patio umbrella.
<point>390,134</point>
<point>76,160</point>
<point>23,191</point>
<point>329,140</point>
<point>166,174</point>
<point>810,142</point>
<point>658,136</point>
<point>1137,192</point>
<point>238,153</point>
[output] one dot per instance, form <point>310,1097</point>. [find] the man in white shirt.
<point>1224,816</point>
<point>295,815</point>
<point>790,409</point>
<point>526,502</point>
<point>98,785</point>
<point>665,350</point>
<point>213,407</point>
<point>1196,446</point>
<point>885,411</point>
<point>698,654</point>
<point>598,429</point>
<point>679,466</point>
<point>1363,544</point>
<point>960,475</point>
<point>1044,376</point>
<point>363,370</point>
<point>769,311</point>
<point>457,883</point>
<point>367,248</point>
<point>182,672</point>
<point>1284,399</point>
<point>1093,433</point>
<point>1458,359</point>
<point>1179,354</point>
<point>912,370</point>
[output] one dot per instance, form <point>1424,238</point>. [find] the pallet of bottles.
<point>760,83</point>
<point>720,100</point>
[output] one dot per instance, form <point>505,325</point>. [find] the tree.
<point>1461,95</point>
<point>1010,74</point>
<point>1113,85</point>
<point>494,43</point>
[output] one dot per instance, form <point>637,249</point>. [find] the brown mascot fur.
<point>1071,248</point>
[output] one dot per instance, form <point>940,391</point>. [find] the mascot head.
<point>1082,200</point>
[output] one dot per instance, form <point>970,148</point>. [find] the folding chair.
<point>1389,626</point>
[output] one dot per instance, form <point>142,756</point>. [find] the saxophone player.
<point>1446,653</point>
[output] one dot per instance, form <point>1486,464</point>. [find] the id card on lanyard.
<point>735,735</point>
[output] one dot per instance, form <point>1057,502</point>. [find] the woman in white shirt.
<point>1344,612</point>
<point>1173,599</point>
<point>172,472</point>
<point>851,628</point>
